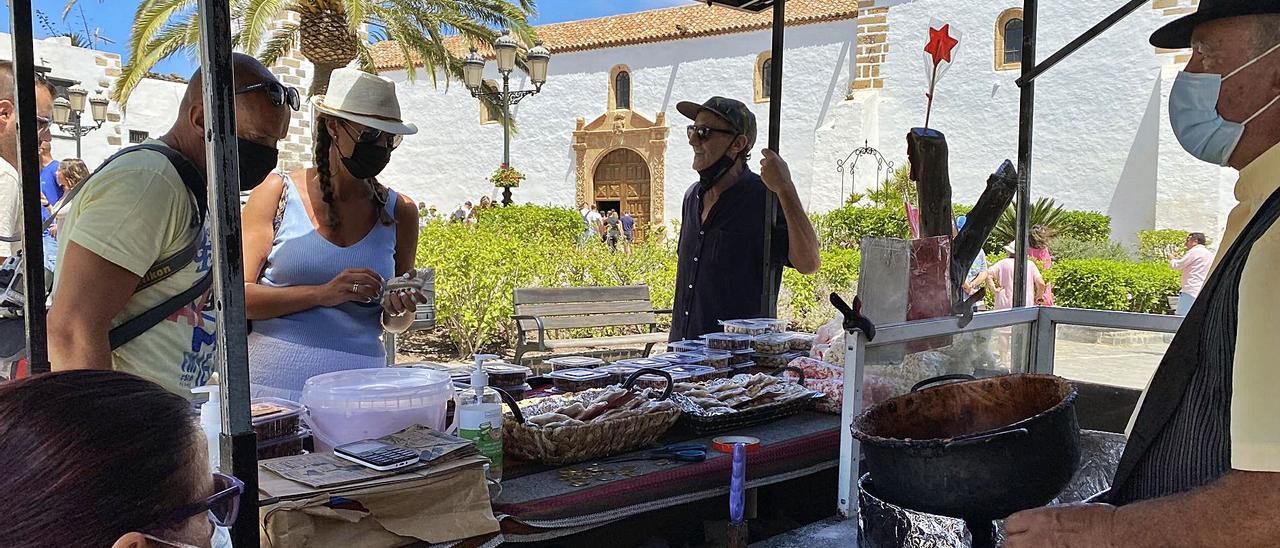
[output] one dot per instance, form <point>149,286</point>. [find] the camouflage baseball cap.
<point>739,117</point>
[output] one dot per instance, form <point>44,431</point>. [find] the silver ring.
<point>355,288</point>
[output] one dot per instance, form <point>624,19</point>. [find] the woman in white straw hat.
<point>320,243</point>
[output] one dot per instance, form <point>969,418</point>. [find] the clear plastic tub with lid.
<point>618,373</point>
<point>687,346</point>
<point>286,446</point>
<point>745,327</point>
<point>680,357</point>
<point>346,406</point>
<point>740,356</point>
<point>695,373</point>
<point>772,343</point>
<point>577,380</point>
<point>658,382</point>
<point>801,342</point>
<point>504,374</point>
<point>727,341</point>
<point>574,362</point>
<point>643,362</point>
<point>776,360</point>
<point>716,358</point>
<point>274,417</point>
<point>775,325</point>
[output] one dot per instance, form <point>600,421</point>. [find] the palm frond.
<point>283,40</point>
<point>256,17</point>
<point>174,38</point>
<point>152,18</point>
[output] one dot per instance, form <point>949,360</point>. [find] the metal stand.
<point>506,99</point>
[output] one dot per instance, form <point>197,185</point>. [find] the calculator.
<point>376,454</point>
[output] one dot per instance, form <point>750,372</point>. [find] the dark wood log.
<point>927,152</point>
<point>981,220</point>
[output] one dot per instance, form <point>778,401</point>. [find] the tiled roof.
<point>644,27</point>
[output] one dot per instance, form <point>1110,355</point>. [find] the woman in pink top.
<point>1039,250</point>
<point>1002,275</point>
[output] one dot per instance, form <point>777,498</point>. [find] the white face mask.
<point>1193,113</point>
<point>221,539</point>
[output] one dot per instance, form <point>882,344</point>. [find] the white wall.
<point>1101,138</point>
<point>450,160</point>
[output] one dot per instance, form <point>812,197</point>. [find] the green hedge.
<point>805,299</point>
<point>1156,245</point>
<point>1086,226</point>
<point>1114,285</point>
<point>846,226</point>
<point>1067,248</point>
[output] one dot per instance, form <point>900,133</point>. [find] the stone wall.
<point>295,70</point>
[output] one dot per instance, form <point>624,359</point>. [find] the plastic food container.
<point>680,357</point>
<point>505,374</point>
<point>741,356</point>
<point>727,341</point>
<point>688,346</point>
<point>695,373</point>
<point>658,382</point>
<point>716,358</point>
<point>776,360</point>
<point>618,373</point>
<point>802,342</point>
<point>517,392</point>
<point>774,325</point>
<point>346,406</point>
<point>744,367</point>
<point>287,446</point>
<point>574,362</point>
<point>274,417</point>
<point>745,327</point>
<point>772,343</point>
<point>577,380</point>
<point>643,362</point>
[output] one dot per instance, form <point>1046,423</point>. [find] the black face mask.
<point>256,162</point>
<point>367,160</point>
<point>710,175</point>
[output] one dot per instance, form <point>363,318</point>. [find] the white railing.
<point>1042,323</point>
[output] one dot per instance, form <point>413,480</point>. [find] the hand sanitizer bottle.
<point>480,418</point>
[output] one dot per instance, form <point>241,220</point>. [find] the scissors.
<point>680,452</point>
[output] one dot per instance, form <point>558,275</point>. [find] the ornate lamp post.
<point>505,49</point>
<point>68,110</point>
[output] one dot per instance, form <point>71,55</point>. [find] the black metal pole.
<point>1026,127</point>
<point>506,132</point>
<point>239,444</point>
<point>24,82</point>
<point>769,298</point>
<point>79,134</point>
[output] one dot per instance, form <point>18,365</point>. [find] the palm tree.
<point>328,34</point>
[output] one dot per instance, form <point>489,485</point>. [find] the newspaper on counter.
<point>326,470</point>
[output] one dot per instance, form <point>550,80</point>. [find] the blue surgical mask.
<point>1193,113</point>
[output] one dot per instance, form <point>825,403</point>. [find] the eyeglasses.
<point>277,93</point>
<point>704,132</point>
<point>223,505</point>
<point>42,124</point>
<point>372,135</point>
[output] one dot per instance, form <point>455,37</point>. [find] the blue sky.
<point>112,19</point>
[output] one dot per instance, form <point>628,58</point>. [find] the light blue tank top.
<point>301,256</point>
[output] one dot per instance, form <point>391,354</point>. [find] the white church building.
<point>605,129</point>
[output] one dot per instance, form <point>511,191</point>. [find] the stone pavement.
<point>1127,366</point>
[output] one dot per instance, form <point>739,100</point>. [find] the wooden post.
<point>981,220</point>
<point>927,152</point>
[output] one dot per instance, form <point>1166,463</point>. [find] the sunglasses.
<point>42,124</point>
<point>704,132</point>
<point>223,505</point>
<point>279,94</point>
<point>371,135</point>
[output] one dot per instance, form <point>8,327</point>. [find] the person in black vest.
<point>720,270</point>
<point>1202,463</point>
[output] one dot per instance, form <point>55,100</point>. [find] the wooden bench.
<point>542,311</point>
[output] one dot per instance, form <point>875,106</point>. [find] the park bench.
<point>543,312</point>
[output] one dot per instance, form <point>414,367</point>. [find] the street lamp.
<point>505,49</point>
<point>67,113</point>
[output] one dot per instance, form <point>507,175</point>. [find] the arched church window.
<point>1008,54</point>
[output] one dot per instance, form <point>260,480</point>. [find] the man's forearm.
<point>802,241</point>
<point>1240,509</point>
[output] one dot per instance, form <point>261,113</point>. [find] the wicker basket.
<point>572,444</point>
<point>712,424</point>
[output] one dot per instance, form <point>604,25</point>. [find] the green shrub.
<point>845,227</point>
<point>804,299</point>
<point>1156,245</point>
<point>1113,285</point>
<point>560,223</point>
<point>1066,248</point>
<point>1085,226</point>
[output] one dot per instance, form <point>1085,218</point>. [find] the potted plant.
<point>506,177</point>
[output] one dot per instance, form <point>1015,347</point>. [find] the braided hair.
<point>378,194</point>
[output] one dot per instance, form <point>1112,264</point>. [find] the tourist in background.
<point>1194,265</point>
<point>314,289</point>
<point>628,231</point>
<point>1039,250</point>
<point>10,187</point>
<point>50,190</point>
<point>613,231</point>
<point>1002,275</point>
<point>596,222</point>
<point>977,275</point>
<point>132,217</point>
<point>107,459</point>
<point>71,172</point>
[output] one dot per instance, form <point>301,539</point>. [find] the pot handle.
<point>787,368</point>
<point>511,404</point>
<point>1016,432</point>
<point>671,383</point>
<point>942,378</point>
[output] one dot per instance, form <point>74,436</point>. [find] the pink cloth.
<point>1002,273</point>
<point>1046,260</point>
<point>1195,265</point>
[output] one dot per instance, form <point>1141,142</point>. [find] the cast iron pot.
<point>976,450</point>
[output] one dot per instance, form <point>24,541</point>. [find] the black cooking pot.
<point>977,450</point>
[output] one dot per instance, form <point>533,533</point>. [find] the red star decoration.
<point>941,44</point>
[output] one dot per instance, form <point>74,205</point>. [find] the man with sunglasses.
<point>132,290</point>
<point>720,271</point>
<point>10,185</point>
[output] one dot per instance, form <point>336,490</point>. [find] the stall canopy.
<point>769,299</point>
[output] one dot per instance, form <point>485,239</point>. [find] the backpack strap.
<point>129,330</point>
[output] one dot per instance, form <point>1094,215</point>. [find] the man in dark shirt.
<point>628,231</point>
<point>720,274</point>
